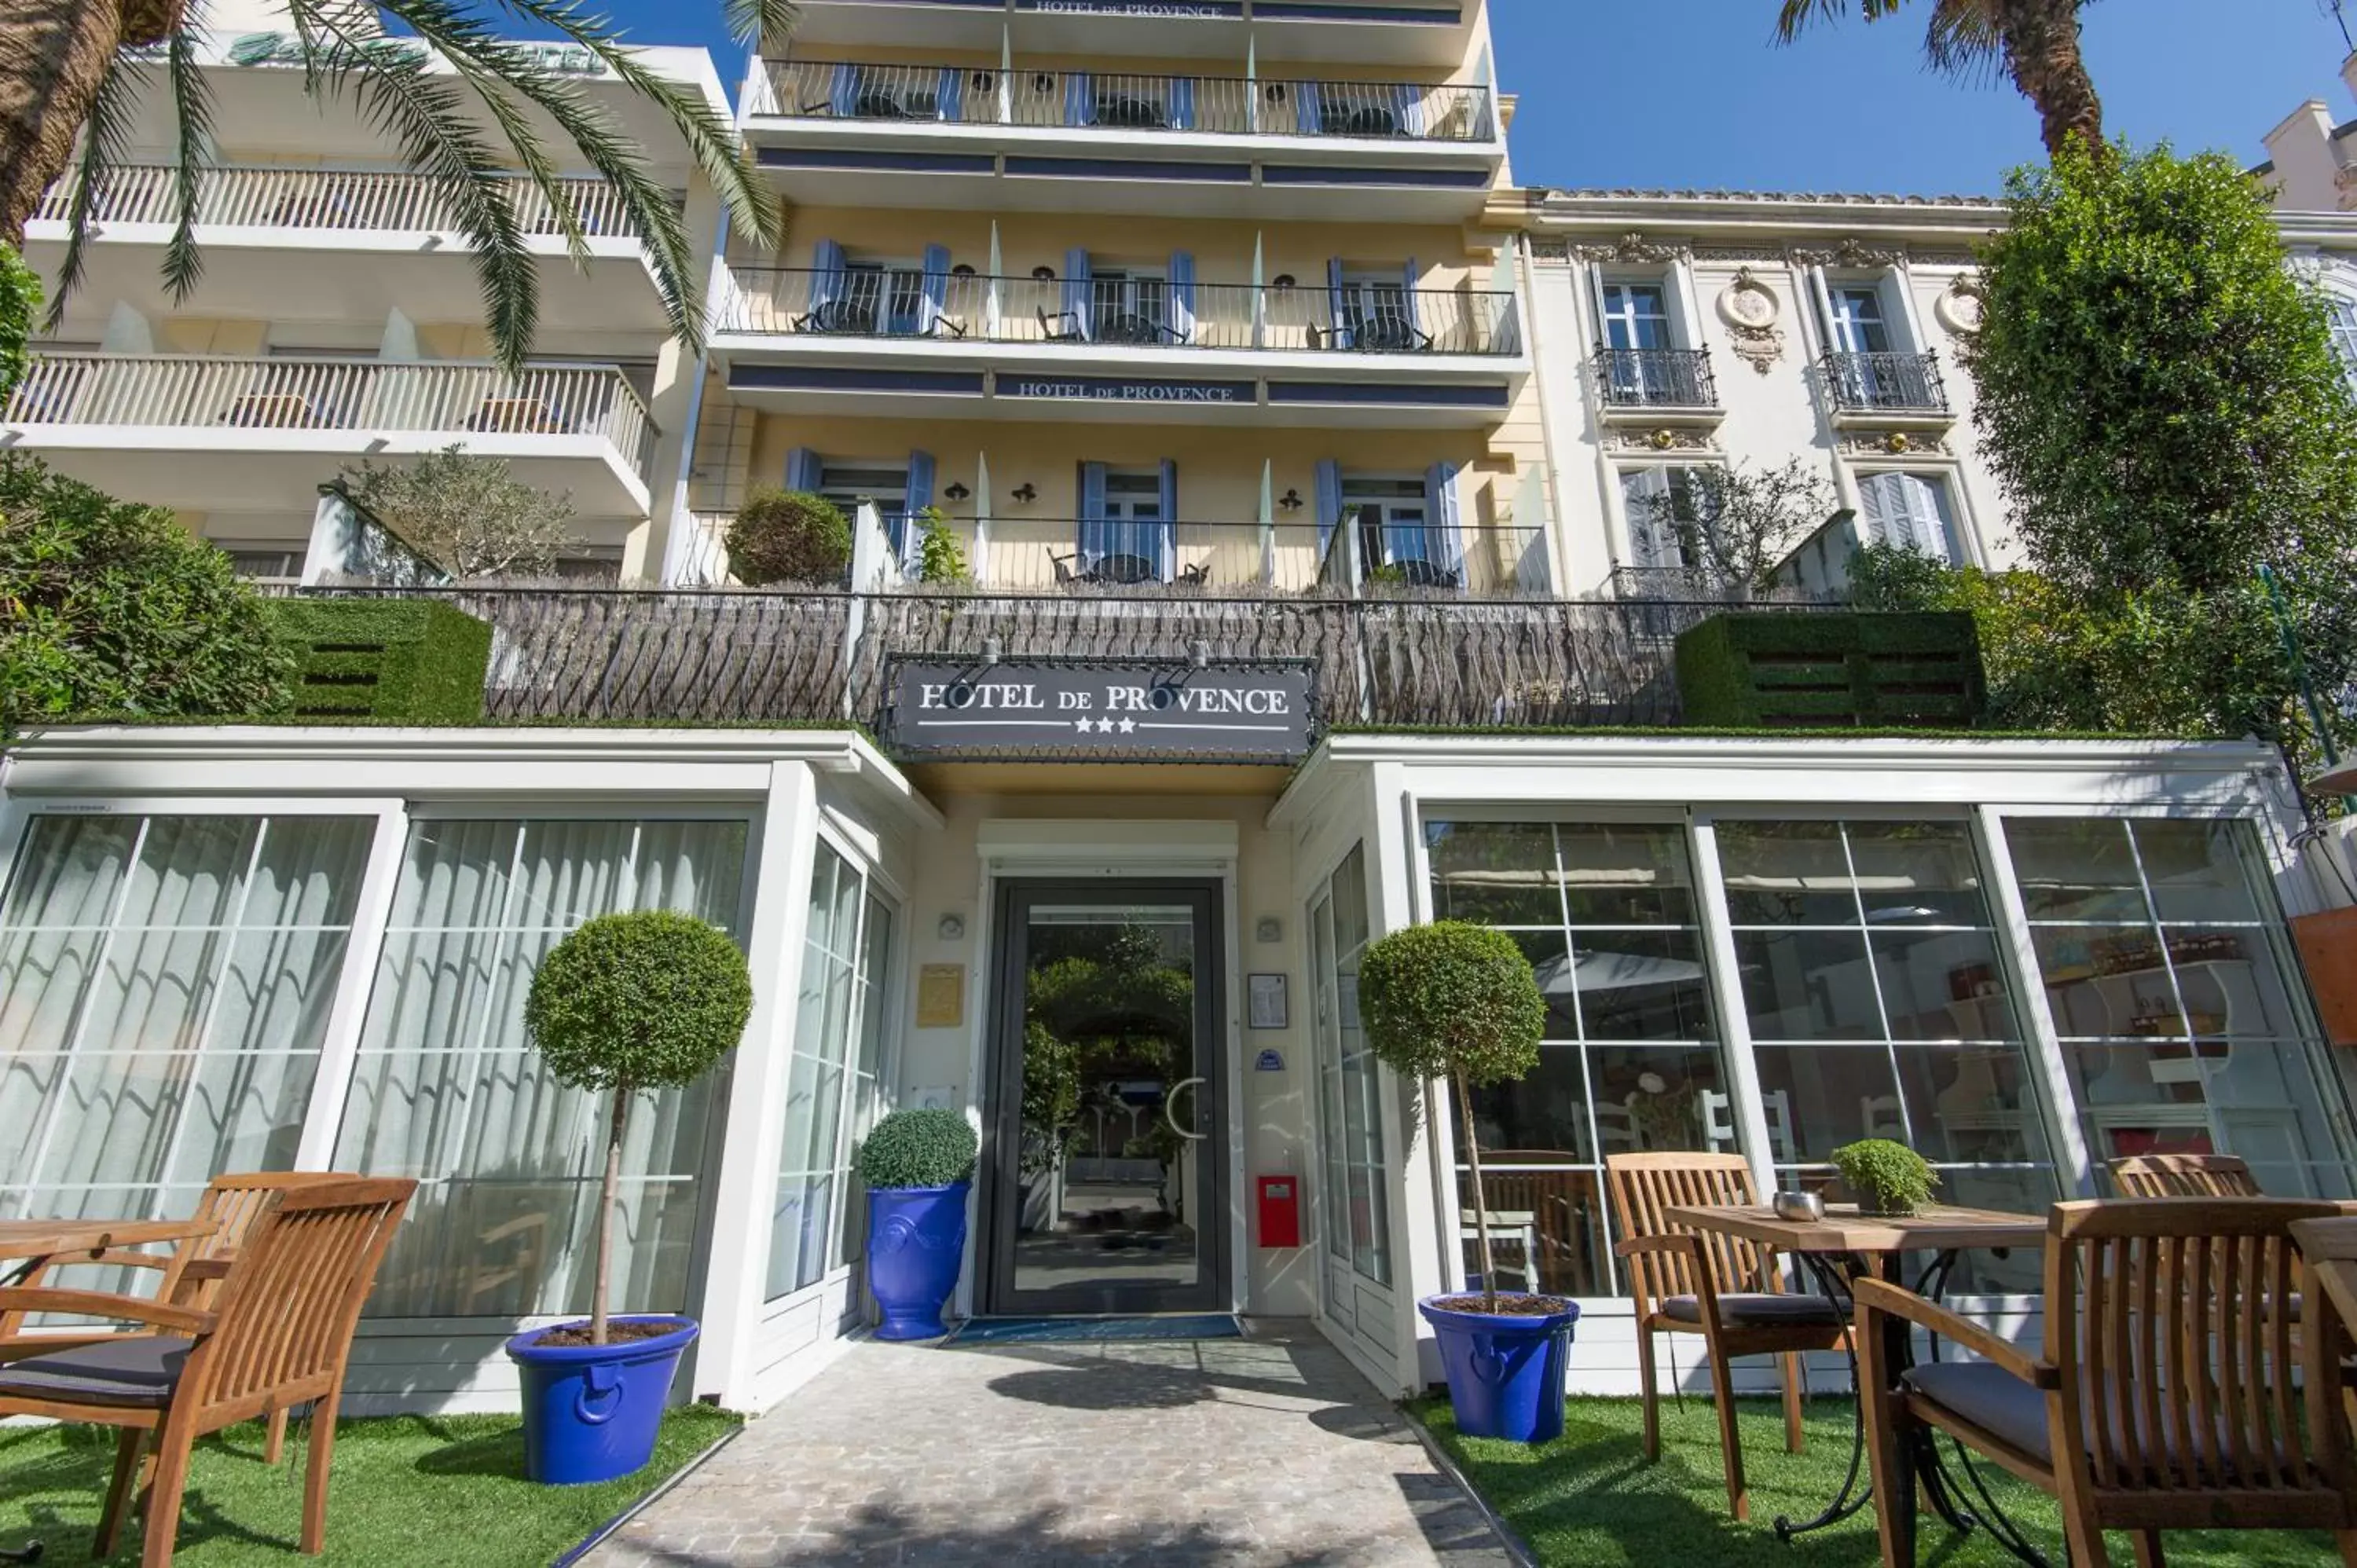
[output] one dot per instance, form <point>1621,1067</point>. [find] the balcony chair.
<point>2162,1400</point>
<point>1064,326</point>
<point>278,1335</point>
<point>2183,1176</point>
<point>1728,1291</point>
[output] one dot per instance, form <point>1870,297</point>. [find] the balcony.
<point>1030,555</point>
<point>1406,34</point>
<point>1656,384</point>
<point>204,433</point>
<point>1886,389</point>
<point>839,132</point>
<point>266,233</point>
<point>965,344</point>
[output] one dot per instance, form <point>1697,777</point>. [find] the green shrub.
<point>939,559</point>
<point>20,296</point>
<point>1887,1177</point>
<point>110,608</point>
<point>651,999</point>
<point>385,658</point>
<point>1456,1001</point>
<point>1767,670</point>
<point>919,1148</point>
<point>789,536</point>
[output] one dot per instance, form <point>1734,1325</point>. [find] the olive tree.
<point>1456,1001</point>
<point>646,999</point>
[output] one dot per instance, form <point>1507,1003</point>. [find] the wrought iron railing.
<point>314,199</point>
<point>455,398</point>
<point>1885,383</point>
<point>736,656</point>
<point>1133,312</point>
<point>1656,377</point>
<point>1127,100</point>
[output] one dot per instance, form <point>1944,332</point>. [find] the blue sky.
<point>1689,93</point>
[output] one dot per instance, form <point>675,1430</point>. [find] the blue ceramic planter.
<point>916,1237</point>
<point>1505,1374</point>
<point>591,1412</point>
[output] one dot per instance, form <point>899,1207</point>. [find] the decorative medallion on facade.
<point>1961,308</point>
<point>1852,253</point>
<point>1751,308</point>
<point>1666,439</point>
<point>1636,248</point>
<point>1892,444</point>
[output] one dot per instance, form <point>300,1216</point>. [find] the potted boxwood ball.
<point>1458,1001</point>
<point>917,1166</point>
<point>1890,1178</point>
<point>628,1002</point>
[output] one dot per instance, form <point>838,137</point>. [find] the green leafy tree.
<point>20,295</point>
<point>2033,43</point>
<point>108,607</point>
<point>72,74</point>
<point>650,999</point>
<point>470,514</point>
<point>939,558</point>
<point>1456,1000</point>
<point>1738,524</point>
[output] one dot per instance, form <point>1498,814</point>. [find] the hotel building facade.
<point>1300,463</point>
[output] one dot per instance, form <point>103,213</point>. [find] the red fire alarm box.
<point>1280,1211</point>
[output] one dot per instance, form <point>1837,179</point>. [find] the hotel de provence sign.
<point>1092,711</point>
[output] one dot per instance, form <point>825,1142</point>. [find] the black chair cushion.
<point>1765,1310</point>
<point>134,1371</point>
<point>2014,1412</point>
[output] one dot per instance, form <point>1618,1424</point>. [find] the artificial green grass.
<point>409,1490</point>
<point>1589,1499</point>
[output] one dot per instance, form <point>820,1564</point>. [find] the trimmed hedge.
<point>409,660</point>
<point>1764,670</point>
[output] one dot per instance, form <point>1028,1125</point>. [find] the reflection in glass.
<point>1358,1209</point>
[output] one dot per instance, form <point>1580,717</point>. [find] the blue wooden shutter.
<point>1077,291</point>
<point>1182,103</point>
<point>1182,296</point>
<point>902,530</point>
<point>936,288</point>
<point>828,270</point>
<point>842,91</point>
<point>949,98</point>
<point>1162,545</point>
<point>1308,105</point>
<point>1094,540</point>
<point>1443,546</point>
<point>802,470</point>
<point>1080,98</point>
<point>1407,110</point>
<point>1410,281</point>
<point>1338,303</point>
<point>1329,503</point>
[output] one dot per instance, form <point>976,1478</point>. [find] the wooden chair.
<point>2163,1399</point>
<point>1727,1291</point>
<point>278,1335</point>
<point>2183,1176</point>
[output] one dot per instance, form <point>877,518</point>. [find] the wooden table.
<point>1846,1243</point>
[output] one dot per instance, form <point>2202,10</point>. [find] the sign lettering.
<point>1194,10</point>
<point>1093,711</point>
<point>1095,389</point>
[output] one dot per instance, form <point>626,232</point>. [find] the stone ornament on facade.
<point>1635,248</point>
<point>1892,444</point>
<point>1666,439</point>
<point>1852,253</point>
<point>1961,308</point>
<point>1751,309</point>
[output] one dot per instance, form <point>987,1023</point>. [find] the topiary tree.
<point>789,536</point>
<point>918,1148</point>
<point>1456,1001</point>
<point>108,607</point>
<point>651,999</point>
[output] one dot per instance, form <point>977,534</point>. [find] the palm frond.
<point>759,23</point>
<point>105,147</point>
<point>426,115</point>
<point>1965,40</point>
<point>1797,15</point>
<point>192,114</point>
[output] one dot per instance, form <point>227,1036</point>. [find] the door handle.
<point>1172,1099</point>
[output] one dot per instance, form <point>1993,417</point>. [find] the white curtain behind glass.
<point>447,1091</point>
<point>165,984</point>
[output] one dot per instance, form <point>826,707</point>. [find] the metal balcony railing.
<point>1131,311</point>
<point>1656,377</point>
<point>1885,383</point>
<point>450,398</point>
<point>312,198</point>
<point>1122,101</point>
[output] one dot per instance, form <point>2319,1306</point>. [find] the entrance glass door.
<point>1108,1159</point>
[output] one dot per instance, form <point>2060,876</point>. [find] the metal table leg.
<point>1853,1496</point>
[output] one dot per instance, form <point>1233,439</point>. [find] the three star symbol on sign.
<point>1106,726</point>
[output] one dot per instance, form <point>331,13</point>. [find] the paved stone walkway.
<point>1271,1450</point>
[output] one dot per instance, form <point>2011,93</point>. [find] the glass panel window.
<point>868,1071</point>
<point>1878,1006</point>
<point>1358,1207</point>
<point>165,986</point>
<point>448,1090</point>
<point>2163,965</point>
<point>1630,1058</point>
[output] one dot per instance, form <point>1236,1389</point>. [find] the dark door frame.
<point>1003,1109</point>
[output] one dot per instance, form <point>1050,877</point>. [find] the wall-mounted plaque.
<point>1266,995</point>
<point>1087,712</point>
<point>940,995</point>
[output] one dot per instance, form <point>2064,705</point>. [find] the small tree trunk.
<point>1480,1196</point>
<point>2042,54</point>
<point>53,54</point>
<point>599,1291</point>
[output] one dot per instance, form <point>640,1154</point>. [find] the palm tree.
<point>71,73</point>
<point>2034,42</point>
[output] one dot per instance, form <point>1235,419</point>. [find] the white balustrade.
<point>347,199</point>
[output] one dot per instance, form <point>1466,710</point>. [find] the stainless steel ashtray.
<point>1799,1207</point>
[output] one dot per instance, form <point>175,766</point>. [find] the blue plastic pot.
<point>1505,1374</point>
<point>591,1412</point>
<point>916,1237</point>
